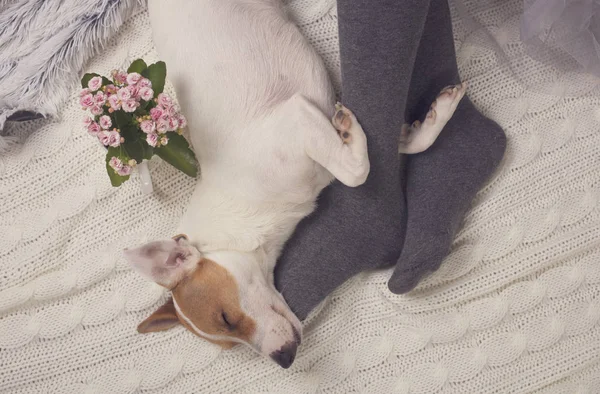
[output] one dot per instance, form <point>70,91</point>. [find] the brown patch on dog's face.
<point>209,297</point>
<point>225,299</point>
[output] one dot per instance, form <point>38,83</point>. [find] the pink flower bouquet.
<point>134,120</point>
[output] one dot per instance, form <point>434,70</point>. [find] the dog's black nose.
<point>286,355</point>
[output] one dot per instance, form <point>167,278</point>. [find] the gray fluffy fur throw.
<point>44,45</point>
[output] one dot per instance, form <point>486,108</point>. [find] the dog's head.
<point>224,297</point>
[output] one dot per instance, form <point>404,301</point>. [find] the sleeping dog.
<point>269,137</point>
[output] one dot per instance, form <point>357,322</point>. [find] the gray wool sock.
<point>355,229</point>
<point>442,181</point>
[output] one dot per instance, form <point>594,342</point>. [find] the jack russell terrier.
<point>259,102</point>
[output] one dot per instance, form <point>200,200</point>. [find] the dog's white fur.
<point>259,103</point>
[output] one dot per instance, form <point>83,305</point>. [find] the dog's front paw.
<point>445,104</point>
<point>342,121</point>
<point>421,135</point>
<point>354,139</point>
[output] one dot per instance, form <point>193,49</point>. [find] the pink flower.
<point>130,105</point>
<point>152,139</point>
<point>134,91</point>
<point>115,163</point>
<point>164,140</point>
<point>114,139</point>
<point>86,101</point>
<point>182,121</point>
<point>165,100</point>
<point>100,98</point>
<point>144,83</point>
<point>124,171</point>
<point>104,137</point>
<point>156,113</point>
<point>114,102</point>
<point>173,124</point>
<point>119,77</point>
<point>147,126</point>
<point>133,78</point>
<point>105,122</point>
<point>84,92</point>
<point>96,110</point>
<point>146,93</point>
<point>94,128</point>
<point>172,111</point>
<point>110,89</point>
<point>123,94</point>
<point>162,126</point>
<point>87,121</point>
<point>95,83</point>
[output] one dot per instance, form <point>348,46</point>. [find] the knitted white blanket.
<point>515,307</point>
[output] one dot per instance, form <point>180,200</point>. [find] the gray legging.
<point>396,55</point>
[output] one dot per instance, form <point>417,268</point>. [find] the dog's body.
<point>259,103</point>
<point>241,97</point>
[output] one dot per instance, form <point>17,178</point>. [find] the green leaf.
<point>135,141</point>
<point>129,132</point>
<point>136,146</point>
<point>106,81</point>
<point>148,151</point>
<point>156,73</point>
<point>137,66</point>
<point>123,119</point>
<point>86,78</point>
<point>149,105</point>
<point>136,150</point>
<point>145,107</point>
<point>116,179</point>
<point>178,154</point>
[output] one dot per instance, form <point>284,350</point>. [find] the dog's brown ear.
<point>164,318</point>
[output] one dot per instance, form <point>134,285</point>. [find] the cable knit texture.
<point>515,307</point>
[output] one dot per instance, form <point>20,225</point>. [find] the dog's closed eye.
<point>228,324</point>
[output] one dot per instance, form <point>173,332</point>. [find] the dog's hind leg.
<point>419,136</point>
<point>339,145</point>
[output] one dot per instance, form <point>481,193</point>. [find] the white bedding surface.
<point>515,308</point>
